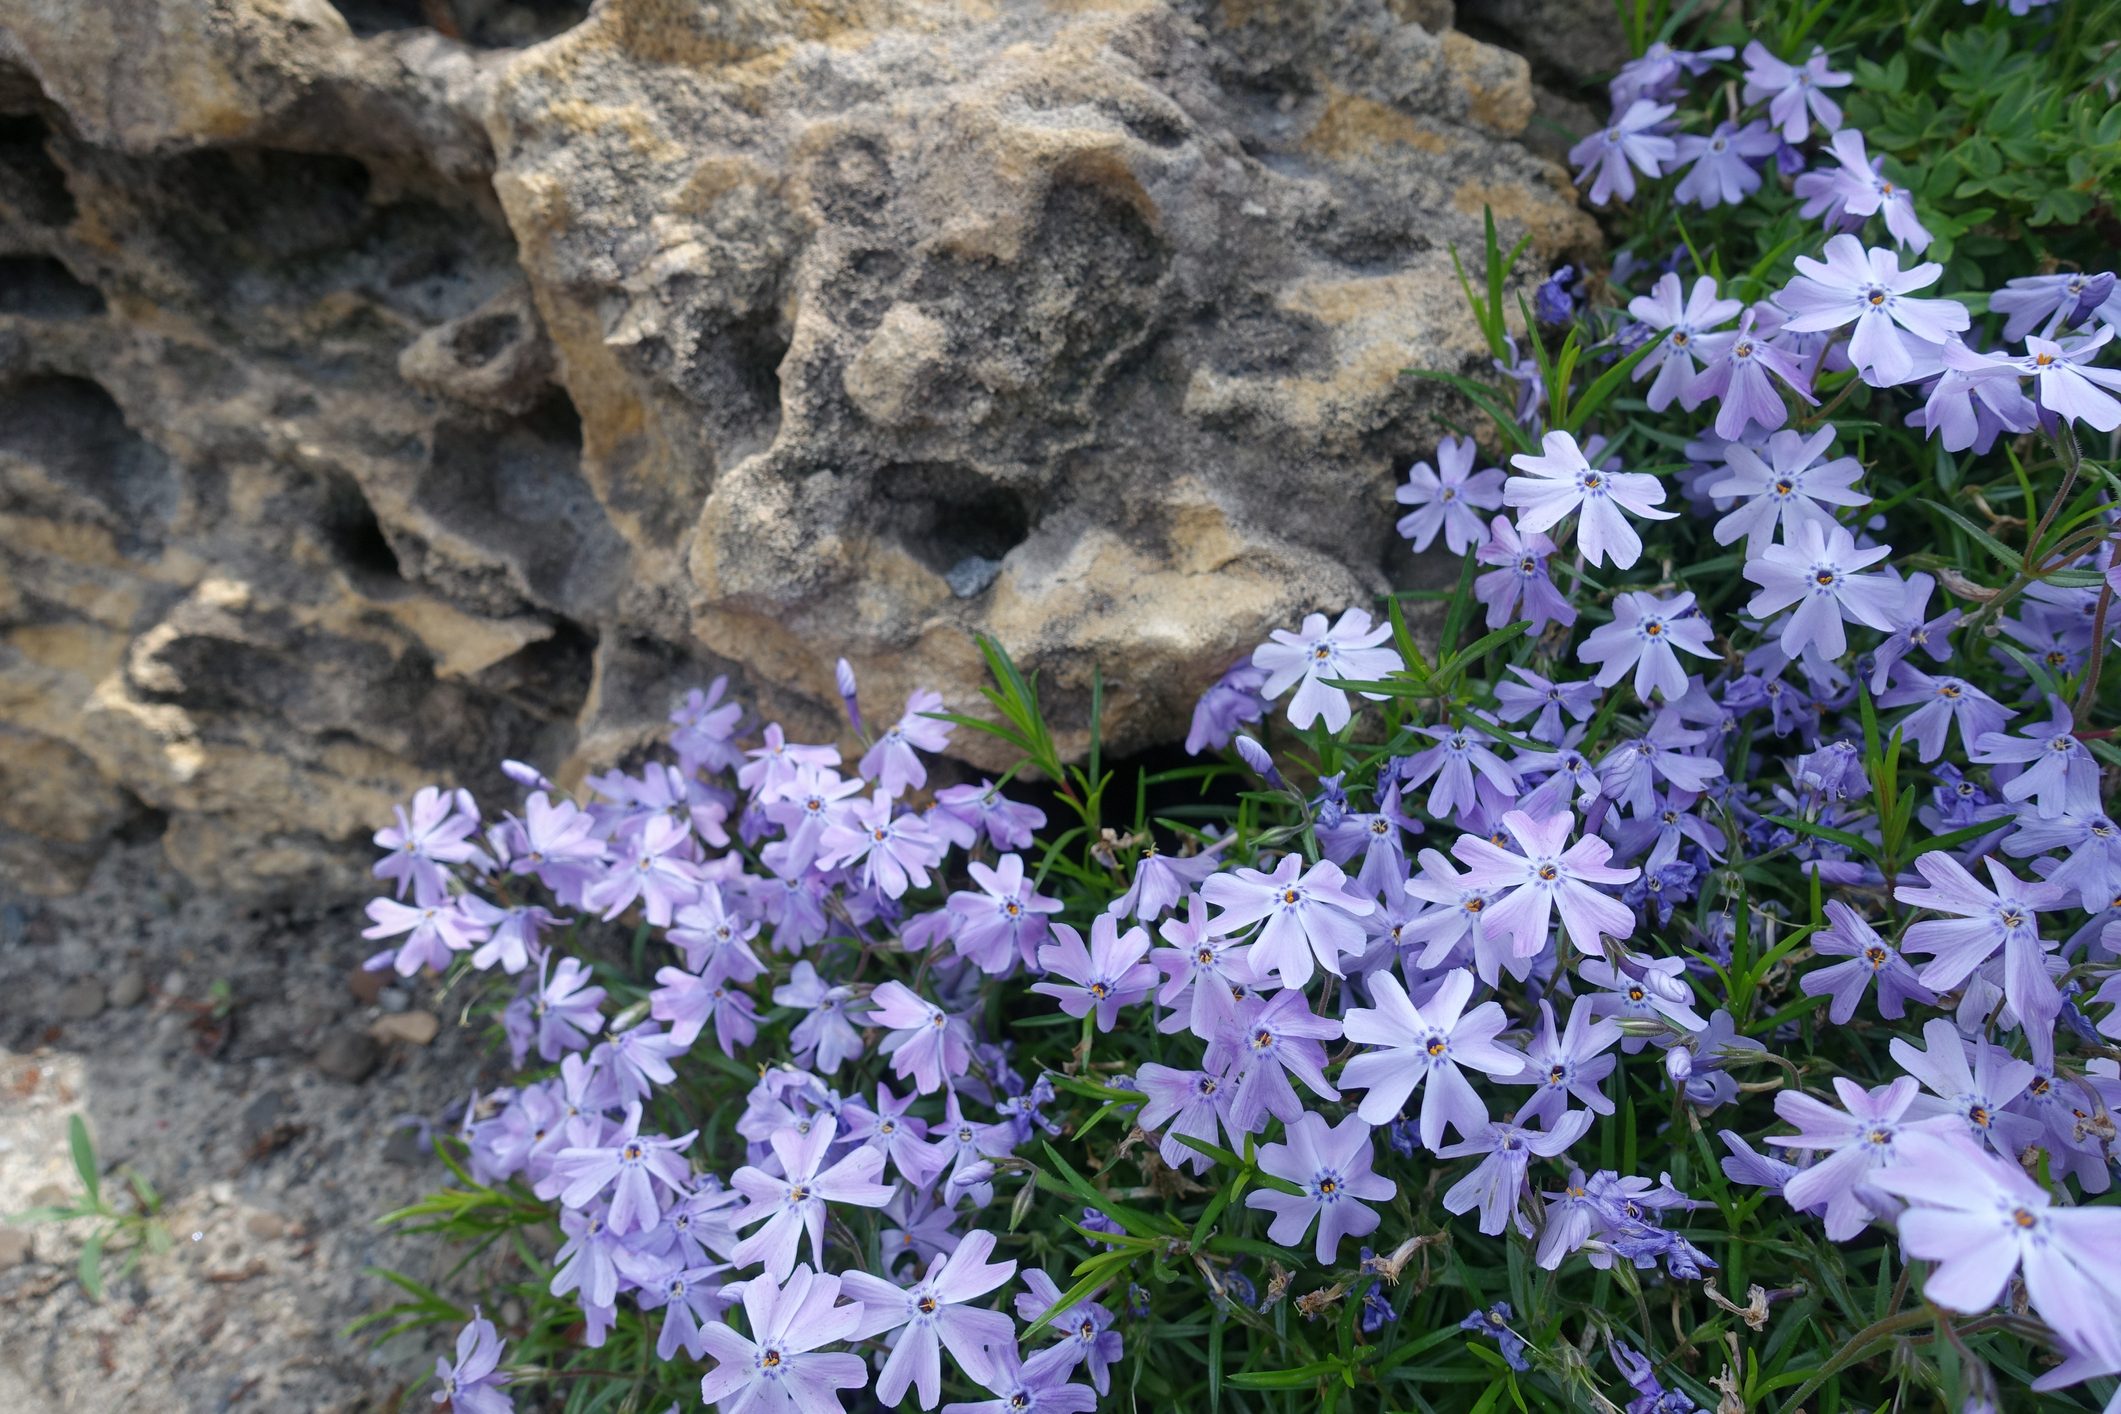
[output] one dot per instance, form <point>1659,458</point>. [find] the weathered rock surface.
<point>391,386</point>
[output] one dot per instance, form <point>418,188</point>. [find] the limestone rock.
<point>391,386</point>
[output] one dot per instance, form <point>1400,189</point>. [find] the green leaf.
<point>90,1269</point>
<point>1295,1378</point>
<point>84,1158</point>
<point>1604,387</point>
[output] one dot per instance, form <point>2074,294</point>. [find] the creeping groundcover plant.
<point>1682,972</point>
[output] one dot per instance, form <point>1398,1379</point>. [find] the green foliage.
<point>123,1234</point>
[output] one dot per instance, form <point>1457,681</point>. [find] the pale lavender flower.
<point>927,1044</point>
<point>1561,480</point>
<point>780,1368</point>
<point>1101,978</point>
<point>1683,322</point>
<point>1269,1041</point>
<point>931,1317</point>
<point>512,940</point>
<point>1308,913</point>
<point>1971,1096</point>
<point>2091,867</point>
<point>825,1038</point>
<point>1642,989</point>
<point>900,1137</point>
<point>1725,168</point>
<point>1499,1181</point>
<point>1974,400</point>
<point>1205,976</point>
<point>813,799</point>
<point>1008,824</point>
<point>557,842</point>
<point>1039,1385</point>
<point>1794,93</point>
<point>1522,577</point>
<point>629,1165</point>
<point>775,762</point>
<point>1424,1047</point>
<point>637,1060</point>
<point>1980,1219</point>
<point>1668,751</point>
<point>1349,651</point>
<point>1854,1142</point>
<point>895,851</point>
<point>894,762</point>
<point>1004,921</point>
<point>1784,488</point>
<point>1188,1102</point>
<point>422,845</point>
<point>565,1008</point>
<point>1448,497</point>
<point>1870,958</point>
<point>1913,628</point>
<point>655,870</point>
<point>1547,878</point>
<point>1656,73</point>
<point>1736,368</point>
<point>1644,635</point>
<point>1084,1329</point>
<point>1332,1167</point>
<point>1459,753</point>
<point>472,1385</point>
<point>1818,571</point>
<point>716,942</point>
<point>2005,918</point>
<point>1574,1063</point>
<point>690,1299</point>
<point>433,932</point>
<point>1516,700</point>
<point>1869,289</point>
<point>1859,190</point>
<point>792,1202</point>
<point>1940,703</point>
<point>2049,303</point>
<point>1232,701</point>
<point>1628,143</point>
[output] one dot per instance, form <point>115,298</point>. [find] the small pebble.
<point>394,999</point>
<point>129,988</point>
<point>347,1055</point>
<point>14,1247</point>
<point>78,1001</point>
<point>414,1028</point>
<point>265,1226</point>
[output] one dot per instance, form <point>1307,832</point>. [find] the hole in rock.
<point>356,537</point>
<point>477,341</point>
<point>30,182</point>
<point>72,432</point>
<point>42,288</point>
<point>490,24</point>
<point>953,520</point>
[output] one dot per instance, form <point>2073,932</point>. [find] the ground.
<point>226,1056</point>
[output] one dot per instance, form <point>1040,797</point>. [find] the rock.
<point>262,1112</point>
<point>412,1028</point>
<point>80,1001</point>
<point>266,1227</point>
<point>348,1055</point>
<point>366,986</point>
<point>14,1247</point>
<point>393,999</point>
<point>381,400</point>
<point>128,988</point>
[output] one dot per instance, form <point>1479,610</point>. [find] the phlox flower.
<point>1004,920</point>
<point>472,1385</point>
<point>2004,918</point>
<point>2092,841</point>
<point>1868,288</point>
<point>1270,1040</point>
<point>1424,1047</point>
<point>1913,628</point>
<point>1101,978</point>
<point>1161,880</point>
<point>1628,143</point>
<point>1526,692</point>
<point>927,1044</point>
<point>656,869</point>
<point>894,762</point>
<point>703,727</point>
<point>803,806</point>
<point>1499,1180</point>
<point>792,1202</point>
<point>900,1137</point>
<point>1870,958</point>
<point>775,761</point>
<point>1784,488</point>
<point>1818,572</point>
<point>1941,703</point>
<point>1859,189</point>
<point>2049,303</point>
<point>1969,1095</point>
<point>1459,753</point>
<point>513,939</point>
<point>1643,635</point>
<point>1008,824</point>
<point>1738,368</point>
<point>690,1299</point>
<point>1205,976</point>
<point>433,932</point>
<point>1039,1385</point>
<point>780,1369</point>
<point>1669,751</point>
<point>1521,580</point>
<point>629,1165</point>
<point>1682,321</point>
<point>1657,72</point>
<point>825,1039</point>
<point>1981,1219</point>
<point>2065,382</point>
<point>1456,918</point>
<point>1642,989</point>
<point>1547,878</point>
<point>1794,92</point>
<point>1725,167</point>
<point>1308,913</point>
<point>1084,1329</point>
<point>1854,1142</point>
<point>1349,651</point>
<point>1183,1103</point>
<point>1448,497</point>
<point>714,940</point>
<point>423,844</point>
<point>1332,1167</point>
<point>1230,702</point>
<point>896,851</point>
<point>1571,1064</point>
<point>1560,480</point>
<point>2048,767</point>
<point>931,1317</point>
<point>1974,400</point>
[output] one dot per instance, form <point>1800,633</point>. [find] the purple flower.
<point>1544,879</point>
<point>1103,977</point>
<point>1981,1219</point>
<point>1870,958</point>
<point>1161,880</point>
<point>2093,864</point>
<point>776,761</point>
<point>1008,824</point>
<point>1793,92</point>
<point>804,806</point>
<point>1817,570</point>
<point>2049,767</point>
<point>1332,1167</point>
<point>1628,143</point>
<point>894,763</point>
<point>1232,701</point>
<point>1644,634</point>
<point>1499,1180</point>
<point>1205,977</point>
<point>933,1319</point>
<point>1494,1323</point>
<point>2050,303</point>
<point>1735,368</point>
<point>1683,322</point>
<point>1974,400</point>
<point>1869,289</point>
<point>1306,659</point>
<point>1854,1142</point>
<point>1784,488</point>
<point>628,1165</point>
<point>473,1384</point>
<point>1514,701</point>
<point>434,931</point>
<point>1725,167</point>
<point>1859,190</point>
<point>1459,753</point>
<point>780,1367</point>
<point>1970,1096</point>
<point>1039,1385</point>
<point>824,1039</point>
<point>715,942</point>
<point>1312,916</point>
<point>1424,1047</point>
<point>2005,918</point>
<point>1269,1041</point>
<point>1561,480</point>
<point>1084,1329</point>
<point>1522,576</point>
<point>1574,1063</point>
<point>895,852</point>
<point>1448,500</point>
<point>899,1137</point>
<point>793,1202</point>
<point>690,1299</point>
<point>1939,704</point>
<point>423,845</point>
<point>1188,1101</point>
<point>655,870</point>
<point>1002,922</point>
<point>926,1043</point>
